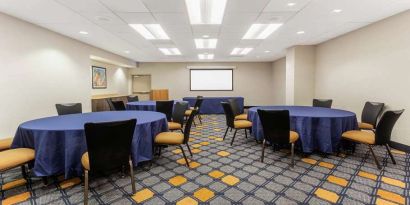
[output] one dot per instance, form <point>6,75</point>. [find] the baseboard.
<point>399,146</point>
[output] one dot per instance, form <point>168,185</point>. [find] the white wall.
<point>279,81</point>
<point>40,68</point>
<point>117,79</point>
<point>304,79</point>
<point>370,64</point>
<point>251,80</point>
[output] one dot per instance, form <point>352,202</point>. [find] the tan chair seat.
<point>85,161</point>
<point>241,124</point>
<point>15,157</point>
<point>188,112</point>
<point>293,137</point>
<point>5,143</point>
<point>174,126</point>
<point>171,138</point>
<point>241,117</point>
<point>365,126</point>
<point>360,136</point>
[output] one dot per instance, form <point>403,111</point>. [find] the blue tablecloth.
<point>145,105</point>
<point>319,128</point>
<point>212,105</point>
<point>59,141</point>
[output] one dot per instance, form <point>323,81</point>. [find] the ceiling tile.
<point>243,6</point>
<point>125,5</point>
<point>174,6</point>
<point>137,18</point>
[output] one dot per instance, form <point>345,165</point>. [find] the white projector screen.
<point>211,79</point>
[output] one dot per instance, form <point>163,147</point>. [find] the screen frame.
<point>190,73</point>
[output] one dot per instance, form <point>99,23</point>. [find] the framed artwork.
<point>99,77</point>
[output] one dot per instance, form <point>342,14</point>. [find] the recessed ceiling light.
<point>300,32</point>
<point>127,52</point>
<point>170,51</point>
<point>267,51</point>
<point>206,56</point>
<point>337,10</point>
<point>205,36</point>
<point>83,32</point>
<point>261,31</point>
<point>206,43</point>
<point>241,51</point>
<point>206,11</point>
<point>291,4</point>
<point>150,31</point>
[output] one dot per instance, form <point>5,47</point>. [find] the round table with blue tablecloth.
<point>146,105</point>
<point>59,141</point>
<point>318,128</point>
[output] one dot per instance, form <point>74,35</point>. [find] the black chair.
<point>326,103</point>
<point>197,106</point>
<point>165,107</point>
<point>236,110</point>
<point>116,105</point>
<point>370,114</point>
<point>109,150</point>
<point>234,124</point>
<point>381,136</point>
<point>178,113</point>
<point>69,108</point>
<point>133,98</point>
<point>176,138</point>
<point>276,130</point>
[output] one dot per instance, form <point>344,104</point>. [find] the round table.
<point>318,128</point>
<point>59,141</point>
<point>146,105</point>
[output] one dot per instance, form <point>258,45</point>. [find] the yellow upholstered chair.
<point>178,113</point>
<point>197,107</point>
<point>370,113</point>
<point>177,139</point>
<point>13,158</point>
<point>5,143</point>
<point>381,136</point>
<point>236,110</point>
<point>234,124</point>
<point>276,130</point>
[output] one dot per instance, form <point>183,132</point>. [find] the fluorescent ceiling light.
<point>150,31</point>
<point>300,32</point>
<point>261,31</point>
<point>170,51</point>
<point>206,11</point>
<point>337,10</point>
<point>206,43</point>
<point>267,51</point>
<point>206,56</point>
<point>291,4</point>
<point>241,51</point>
<point>83,32</point>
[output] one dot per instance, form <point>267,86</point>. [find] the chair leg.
<point>182,131</point>
<point>263,150</point>
<point>26,177</point>
<point>189,149</point>
<point>226,132</point>
<point>391,155</point>
<point>246,134</point>
<point>293,154</point>
<point>200,118</point>
<point>85,187</point>
<point>375,158</point>
<point>132,176</point>
<point>183,153</point>
<point>234,135</point>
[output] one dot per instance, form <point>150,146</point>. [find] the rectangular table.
<point>212,105</point>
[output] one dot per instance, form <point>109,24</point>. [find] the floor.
<point>224,174</point>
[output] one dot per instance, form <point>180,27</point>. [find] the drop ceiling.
<point>106,22</point>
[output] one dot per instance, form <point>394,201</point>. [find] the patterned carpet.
<point>221,174</point>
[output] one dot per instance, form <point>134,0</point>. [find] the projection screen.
<point>211,79</point>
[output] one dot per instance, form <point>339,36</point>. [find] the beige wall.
<point>279,81</point>
<point>118,79</point>
<point>40,68</point>
<point>251,80</point>
<point>370,64</point>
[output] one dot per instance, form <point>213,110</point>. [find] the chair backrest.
<point>198,102</point>
<point>371,112</point>
<point>165,107</point>
<point>385,126</point>
<point>188,125</point>
<point>116,105</point>
<point>179,112</point>
<point>109,144</point>
<point>229,115</point>
<point>132,98</point>
<point>69,108</point>
<point>275,125</point>
<point>326,103</point>
<point>235,106</point>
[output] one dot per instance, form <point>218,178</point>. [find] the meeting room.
<point>208,102</point>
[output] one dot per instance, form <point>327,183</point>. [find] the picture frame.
<point>99,77</point>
